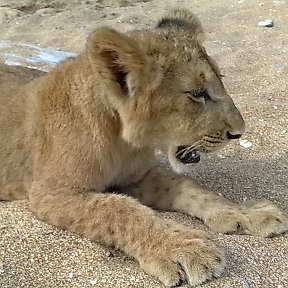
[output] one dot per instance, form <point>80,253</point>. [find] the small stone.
<point>245,283</point>
<point>279,2</point>
<point>93,282</point>
<point>265,23</point>
<point>245,143</point>
<point>108,253</point>
<point>70,275</point>
<point>275,107</point>
<point>47,232</point>
<point>2,271</point>
<point>132,278</point>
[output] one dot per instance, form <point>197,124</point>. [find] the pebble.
<point>265,23</point>
<point>221,156</point>
<point>70,275</point>
<point>279,2</point>
<point>92,282</point>
<point>245,143</point>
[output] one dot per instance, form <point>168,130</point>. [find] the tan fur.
<point>94,122</point>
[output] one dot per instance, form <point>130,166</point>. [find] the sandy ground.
<point>254,61</point>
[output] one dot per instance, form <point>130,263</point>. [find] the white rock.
<point>132,278</point>
<point>265,23</point>
<point>92,282</point>
<point>279,2</point>
<point>245,143</point>
<point>70,275</point>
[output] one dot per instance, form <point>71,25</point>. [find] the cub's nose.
<point>231,135</point>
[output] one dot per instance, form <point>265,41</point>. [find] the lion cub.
<point>94,122</point>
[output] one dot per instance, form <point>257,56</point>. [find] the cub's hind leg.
<point>164,190</point>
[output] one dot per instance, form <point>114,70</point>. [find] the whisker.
<point>187,150</point>
<point>195,146</point>
<point>180,151</point>
<point>190,150</point>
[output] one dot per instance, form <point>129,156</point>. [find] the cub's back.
<point>14,145</point>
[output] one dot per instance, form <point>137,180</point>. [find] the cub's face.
<point>171,99</point>
<point>193,112</point>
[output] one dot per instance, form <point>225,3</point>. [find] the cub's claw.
<point>181,258</point>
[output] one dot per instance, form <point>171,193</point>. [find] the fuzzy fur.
<point>95,121</point>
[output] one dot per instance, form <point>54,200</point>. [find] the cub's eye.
<point>198,95</point>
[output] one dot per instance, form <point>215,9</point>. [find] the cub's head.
<point>166,90</point>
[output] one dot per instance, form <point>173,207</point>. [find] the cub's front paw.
<point>265,219</point>
<point>259,218</point>
<point>179,256</point>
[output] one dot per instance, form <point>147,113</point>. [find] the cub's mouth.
<point>187,155</point>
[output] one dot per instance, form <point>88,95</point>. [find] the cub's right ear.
<point>115,55</point>
<point>115,48</point>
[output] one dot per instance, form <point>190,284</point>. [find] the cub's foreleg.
<point>167,191</point>
<point>173,253</point>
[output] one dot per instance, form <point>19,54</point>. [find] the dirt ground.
<point>254,61</point>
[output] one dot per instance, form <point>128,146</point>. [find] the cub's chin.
<point>182,158</point>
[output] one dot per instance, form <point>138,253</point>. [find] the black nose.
<point>233,136</point>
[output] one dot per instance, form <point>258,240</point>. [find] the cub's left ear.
<point>117,57</point>
<point>183,22</point>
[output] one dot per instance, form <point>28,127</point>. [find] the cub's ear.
<point>183,21</point>
<point>117,56</point>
